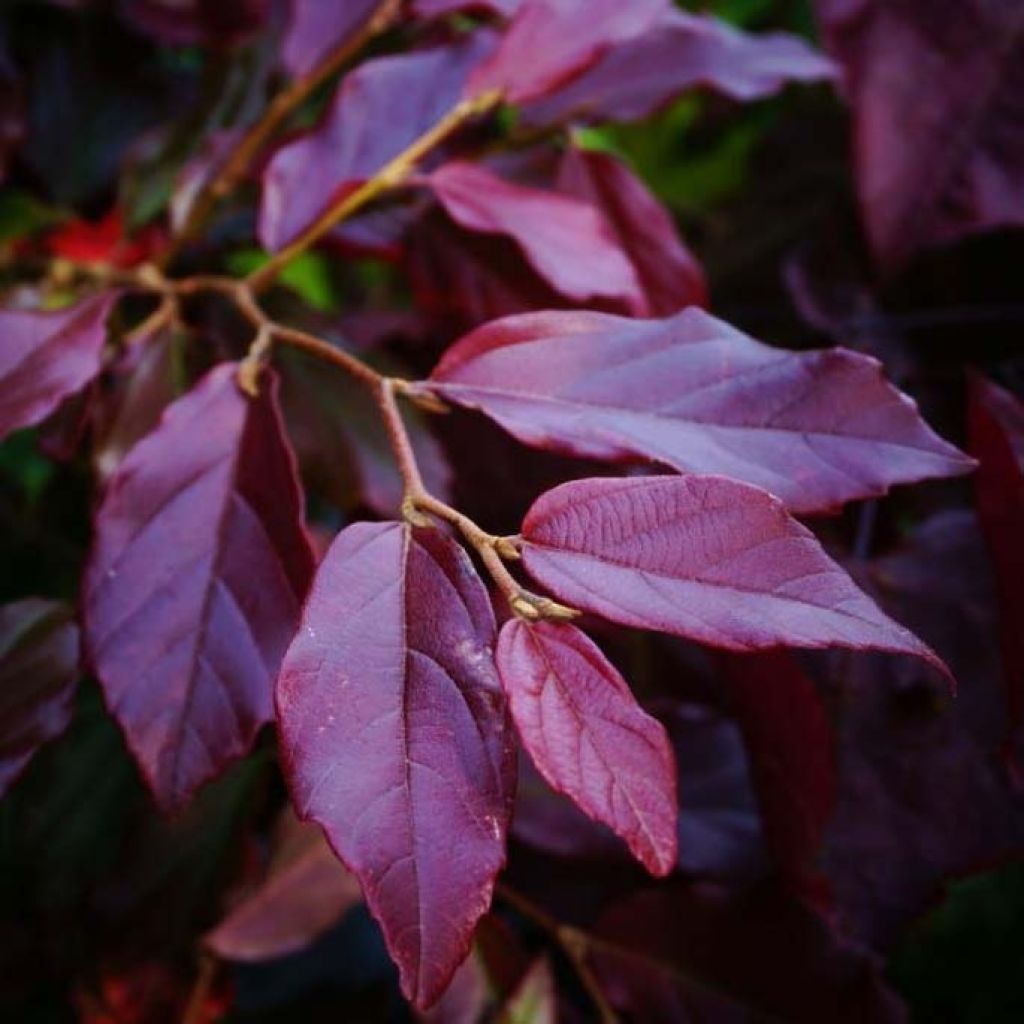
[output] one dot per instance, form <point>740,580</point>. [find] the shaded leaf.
<point>193,22</point>
<point>565,240</point>
<point>193,587</point>
<point>670,276</point>
<point>38,672</point>
<point>437,8</point>
<point>380,108</point>
<point>550,42</point>
<point>47,356</point>
<point>533,1001</point>
<point>305,891</point>
<point>588,736</point>
<point>395,738</point>
<point>706,558</point>
<point>912,72</point>
<point>815,428</point>
<point>680,52</point>
<point>996,426</point>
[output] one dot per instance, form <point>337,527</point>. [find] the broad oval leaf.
<point>396,739</point>
<point>588,736</point>
<point>193,588</point>
<point>380,108</point>
<point>706,558</point>
<point>550,42</point>
<point>38,672</point>
<point>680,52</point>
<point>566,240</point>
<point>44,357</point>
<point>670,276</point>
<point>814,428</point>
<point>305,891</point>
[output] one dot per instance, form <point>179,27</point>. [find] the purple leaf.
<point>670,276</point>
<point>47,356</point>
<point>565,240</point>
<point>437,8</point>
<point>192,22</point>
<point>38,672</point>
<point>306,891</point>
<point>316,27</point>
<point>706,558</point>
<point>589,738</point>
<point>550,42</point>
<point>996,424</point>
<point>914,73</point>
<point>193,589</point>
<point>681,52</point>
<point>815,428</point>
<point>395,738</point>
<point>381,107</point>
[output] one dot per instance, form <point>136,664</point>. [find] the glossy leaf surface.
<point>565,240</point>
<point>680,52</point>
<point>816,428</point>
<point>670,276</point>
<point>44,357</point>
<point>706,558</point>
<point>549,42</point>
<point>380,108</point>
<point>588,736</point>
<point>396,740</point>
<point>193,588</point>
<point>38,672</point>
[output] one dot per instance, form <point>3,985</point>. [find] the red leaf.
<point>589,738</point>
<point>792,758</point>
<point>566,241</point>
<point>47,356</point>
<point>550,42</point>
<point>305,892</point>
<point>104,241</point>
<point>911,72</point>
<point>706,558</point>
<point>316,27</point>
<point>680,52</point>
<point>996,424</point>
<point>381,108</point>
<point>815,428</point>
<point>38,672</point>
<point>193,588</point>
<point>396,739</point>
<point>670,276</point>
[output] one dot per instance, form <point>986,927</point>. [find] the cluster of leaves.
<point>276,536</point>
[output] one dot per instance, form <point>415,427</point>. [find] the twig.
<point>238,161</point>
<point>491,549</point>
<point>391,175</point>
<point>574,943</point>
<point>205,976</point>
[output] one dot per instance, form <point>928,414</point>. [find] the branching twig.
<point>240,159</point>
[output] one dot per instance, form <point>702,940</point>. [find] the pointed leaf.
<point>380,108</point>
<point>550,42</point>
<point>38,672</point>
<point>306,890</point>
<point>566,241</point>
<point>588,736</point>
<point>669,274</point>
<point>44,357</point>
<point>681,52</point>
<point>911,71</point>
<point>706,558</point>
<point>534,999</point>
<point>395,738</point>
<point>815,428</point>
<point>996,425</point>
<point>194,584</point>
